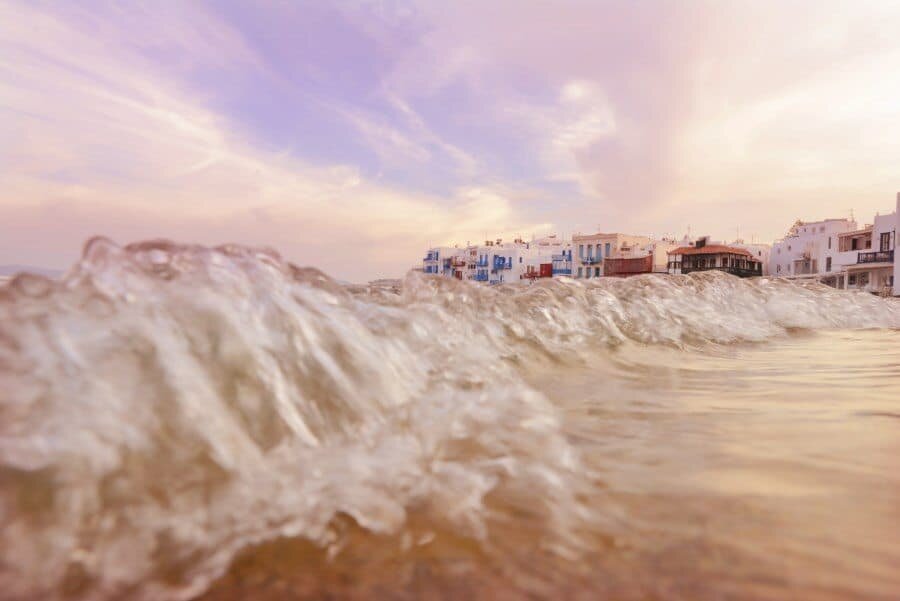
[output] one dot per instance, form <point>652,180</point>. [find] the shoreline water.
<point>183,422</point>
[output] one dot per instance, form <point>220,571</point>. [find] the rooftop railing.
<point>881,256</point>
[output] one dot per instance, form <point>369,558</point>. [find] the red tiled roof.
<point>710,249</point>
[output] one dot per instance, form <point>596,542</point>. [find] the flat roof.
<point>865,230</point>
<point>710,249</point>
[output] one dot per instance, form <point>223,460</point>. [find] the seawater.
<point>183,422</point>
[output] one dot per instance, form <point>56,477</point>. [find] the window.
<point>606,252</point>
<point>580,271</point>
<point>822,229</point>
<point>789,247</point>
<point>778,269</point>
<point>829,242</point>
<point>596,272</point>
<point>827,263</point>
<point>520,259</point>
<point>885,241</point>
<point>581,250</point>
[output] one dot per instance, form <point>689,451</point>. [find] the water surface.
<point>180,422</point>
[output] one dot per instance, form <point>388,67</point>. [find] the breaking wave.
<point>164,407</point>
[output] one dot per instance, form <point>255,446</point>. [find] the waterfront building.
<point>867,256</point>
<point>499,262</point>
<point>507,262</point>
<point>836,252</point>
<point>714,257</point>
<point>479,263</point>
<point>547,257</point>
<point>762,252</point>
<point>810,250</point>
<point>437,260</point>
<point>651,257</point>
<point>592,249</point>
<point>839,253</point>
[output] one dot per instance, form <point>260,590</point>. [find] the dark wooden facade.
<point>714,257</point>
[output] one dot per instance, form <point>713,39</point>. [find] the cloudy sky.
<point>351,135</point>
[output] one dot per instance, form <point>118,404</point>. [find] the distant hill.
<point>8,270</point>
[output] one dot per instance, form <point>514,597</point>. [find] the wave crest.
<point>164,406</point>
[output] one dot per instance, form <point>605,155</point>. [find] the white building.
<point>437,260</point>
<point>499,262</point>
<point>867,256</point>
<point>809,249</point>
<point>839,253</point>
<point>548,257</point>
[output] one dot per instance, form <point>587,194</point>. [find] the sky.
<point>350,136</point>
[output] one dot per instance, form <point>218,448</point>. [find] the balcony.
<point>738,271</point>
<point>591,260</point>
<point>481,277</point>
<point>881,256</point>
<point>566,271</point>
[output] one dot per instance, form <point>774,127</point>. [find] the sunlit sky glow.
<point>351,135</point>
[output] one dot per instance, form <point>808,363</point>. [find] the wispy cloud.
<point>129,145</point>
<point>319,128</point>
